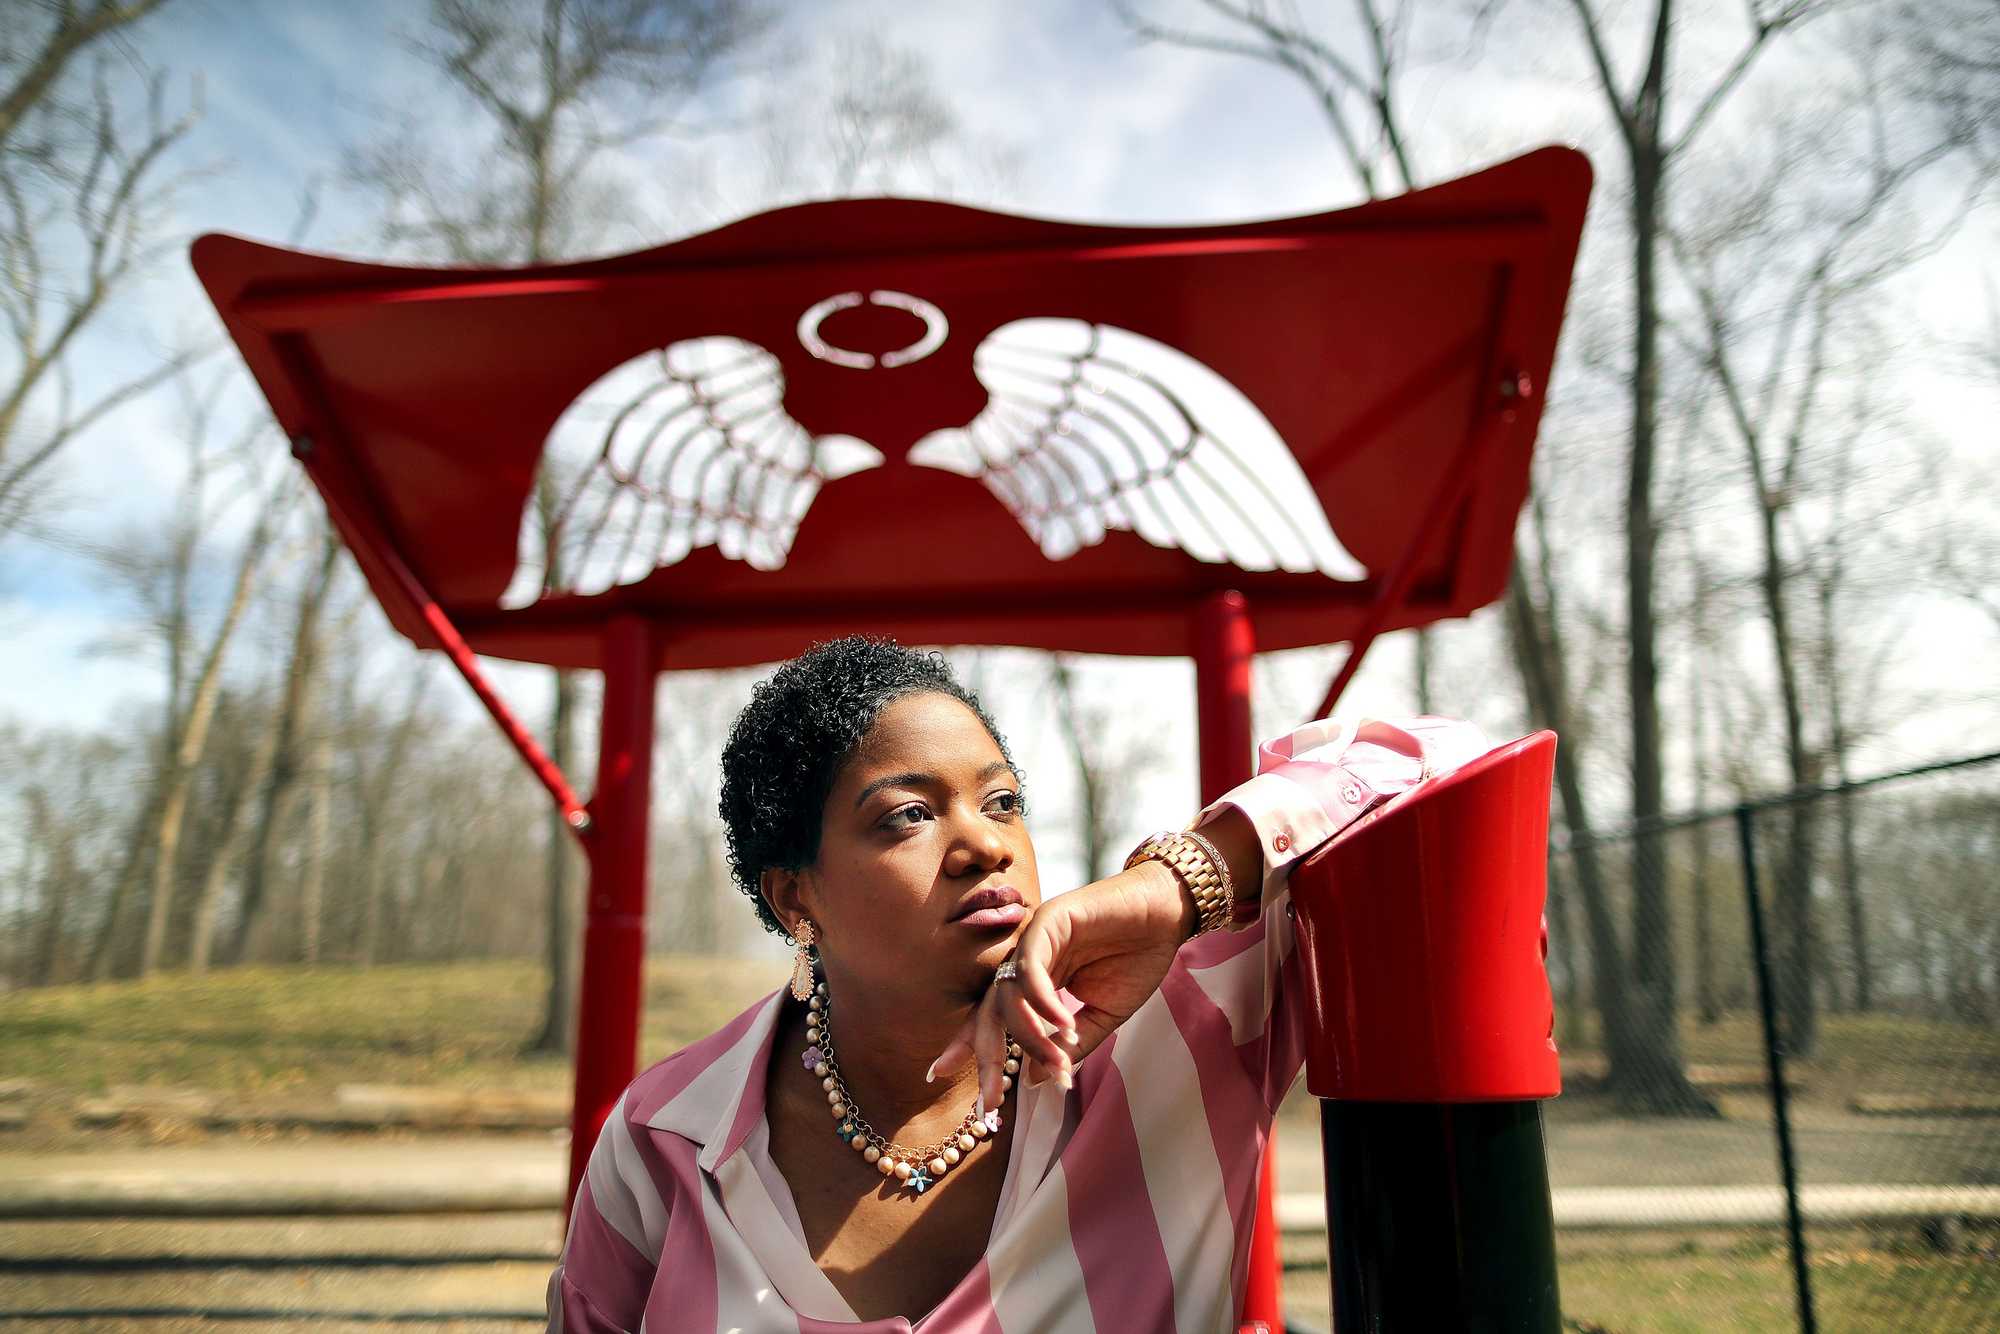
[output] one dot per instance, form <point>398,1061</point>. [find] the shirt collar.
<point>723,1103</point>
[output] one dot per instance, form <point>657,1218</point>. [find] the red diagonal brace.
<point>368,535</point>
<point>1450,491</point>
<point>356,514</point>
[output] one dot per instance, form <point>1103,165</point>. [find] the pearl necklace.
<point>916,1169</point>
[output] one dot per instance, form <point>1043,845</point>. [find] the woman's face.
<point>925,872</point>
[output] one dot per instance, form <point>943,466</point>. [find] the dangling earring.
<point>802,963</point>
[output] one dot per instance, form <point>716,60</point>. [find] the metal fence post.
<point>1774,1058</point>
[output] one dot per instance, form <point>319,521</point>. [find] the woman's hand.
<point>1109,943</point>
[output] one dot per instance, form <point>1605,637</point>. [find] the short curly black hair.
<point>789,743</point>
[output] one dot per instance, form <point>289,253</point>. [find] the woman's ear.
<point>783,894</point>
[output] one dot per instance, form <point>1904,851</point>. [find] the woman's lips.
<point>1005,914</point>
<point>999,905</point>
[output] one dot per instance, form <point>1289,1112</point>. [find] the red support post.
<point>611,990</point>
<point>1222,654</point>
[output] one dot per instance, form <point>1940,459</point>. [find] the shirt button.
<point>1282,842</point>
<point>1350,794</point>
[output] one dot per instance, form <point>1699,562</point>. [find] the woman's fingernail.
<point>1070,1036</point>
<point>930,1075</point>
<point>979,1104</point>
<point>1063,1075</point>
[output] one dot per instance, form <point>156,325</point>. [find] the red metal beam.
<point>301,307</point>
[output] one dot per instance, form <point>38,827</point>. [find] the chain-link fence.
<point>1781,1028</point>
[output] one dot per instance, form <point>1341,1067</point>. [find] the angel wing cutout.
<point>679,448</point>
<point>1090,428</point>
<point>1087,428</point>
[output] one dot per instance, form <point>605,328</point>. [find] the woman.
<point>1045,1115</point>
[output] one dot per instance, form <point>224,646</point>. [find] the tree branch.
<point>70,35</point>
<point>1606,79</point>
<point>1787,15</point>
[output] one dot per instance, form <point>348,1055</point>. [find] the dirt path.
<point>1832,1147</point>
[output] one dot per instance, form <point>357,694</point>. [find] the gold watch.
<point>1193,859</point>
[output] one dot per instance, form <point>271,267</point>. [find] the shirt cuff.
<point>1294,807</point>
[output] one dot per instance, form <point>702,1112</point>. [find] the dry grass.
<point>262,1032</point>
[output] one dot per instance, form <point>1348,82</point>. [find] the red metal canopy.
<point>926,421</point>
<point>1397,349</point>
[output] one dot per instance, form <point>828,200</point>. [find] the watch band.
<point>1193,859</point>
<point>1237,906</point>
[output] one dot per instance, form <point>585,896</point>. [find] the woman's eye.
<point>1007,803</point>
<point>905,817</point>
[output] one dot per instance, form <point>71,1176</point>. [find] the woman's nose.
<point>980,847</point>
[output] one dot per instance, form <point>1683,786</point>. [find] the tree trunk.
<point>1707,1000</point>
<point>1838,744</point>
<point>1096,853</point>
<point>1645,1072</point>
<point>1653,1067</point>
<point>1707,1006</point>
<point>58,844</point>
<point>1569,947</point>
<point>104,951</point>
<point>1792,903</point>
<point>1546,708</point>
<point>373,885</point>
<point>319,843</point>
<point>1850,892</point>
<point>187,753</point>
<point>1425,667</point>
<point>558,1030</point>
<point>375,791</point>
<point>229,849</point>
<point>274,804</point>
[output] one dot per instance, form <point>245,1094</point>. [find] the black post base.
<point>1438,1218</point>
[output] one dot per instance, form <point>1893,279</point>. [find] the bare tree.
<point>160,573</point>
<point>56,842</point>
<point>83,189</point>
<point>1644,1064</point>
<point>558,88</point>
<point>71,788</point>
<point>1950,63</point>
<point>862,115</point>
<point>1966,549</point>
<point>1356,94</point>
<point>190,715</point>
<point>375,785</point>
<point>1642,111</point>
<point>231,839</point>
<point>1782,255</point>
<point>294,704</point>
<point>1107,767</point>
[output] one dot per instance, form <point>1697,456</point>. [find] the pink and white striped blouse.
<point>1127,1200</point>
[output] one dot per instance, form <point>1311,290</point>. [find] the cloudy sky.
<point>1102,128</point>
